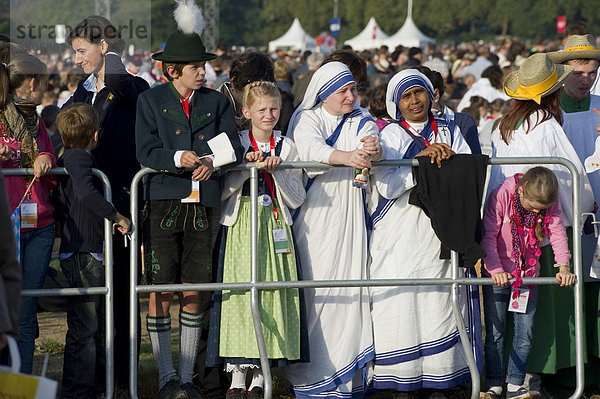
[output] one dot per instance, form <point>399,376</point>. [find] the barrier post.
<point>462,331</point>
<point>254,294</point>
<point>133,278</point>
<point>577,260</point>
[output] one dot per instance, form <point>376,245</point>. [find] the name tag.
<point>519,297</point>
<point>280,241</point>
<point>195,194</point>
<point>29,214</point>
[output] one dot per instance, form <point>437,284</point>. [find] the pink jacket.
<point>40,192</point>
<point>497,242</point>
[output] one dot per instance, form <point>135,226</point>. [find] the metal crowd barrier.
<point>254,285</point>
<point>107,290</point>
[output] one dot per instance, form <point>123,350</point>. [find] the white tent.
<point>371,37</point>
<point>295,38</point>
<point>409,35</point>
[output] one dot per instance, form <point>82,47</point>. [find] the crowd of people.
<point>449,106</point>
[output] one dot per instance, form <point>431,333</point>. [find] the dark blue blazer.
<point>162,128</point>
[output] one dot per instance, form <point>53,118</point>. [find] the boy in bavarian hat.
<point>174,123</point>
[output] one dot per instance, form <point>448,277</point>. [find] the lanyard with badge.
<point>29,208</point>
<point>414,132</point>
<point>519,296</point>
<point>26,210</point>
<point>280,240</point>
<point>194,196</point>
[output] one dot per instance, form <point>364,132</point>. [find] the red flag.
<point>561,23</point>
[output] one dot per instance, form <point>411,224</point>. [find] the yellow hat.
<point>537,77</point>
<point>577,47</point>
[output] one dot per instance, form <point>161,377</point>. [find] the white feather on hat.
<point>189,17</point>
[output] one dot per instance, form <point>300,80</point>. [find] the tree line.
<point>256,22</point>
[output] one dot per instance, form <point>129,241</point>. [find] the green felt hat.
<point>184,47</point>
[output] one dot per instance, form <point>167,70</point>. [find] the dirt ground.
<point>53,325</point>
<point>53,329</point>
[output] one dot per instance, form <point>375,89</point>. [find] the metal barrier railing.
<point>254,285</point>
<point>107,290</point>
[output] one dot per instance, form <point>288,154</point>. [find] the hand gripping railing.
<point>455,281</point>
<point>107,290</point>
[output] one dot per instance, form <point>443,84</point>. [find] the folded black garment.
<point>451,197</point>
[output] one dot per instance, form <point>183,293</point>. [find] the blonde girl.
<point>279,191</point>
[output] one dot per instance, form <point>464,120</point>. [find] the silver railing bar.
<point>108,264</point>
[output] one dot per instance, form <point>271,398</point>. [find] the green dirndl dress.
<point>279,309</point>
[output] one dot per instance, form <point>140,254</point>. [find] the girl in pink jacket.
<point>519,216</point>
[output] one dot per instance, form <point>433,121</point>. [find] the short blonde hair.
<point>255,90</point>
<point>77,125</point>
<point>281,69</point>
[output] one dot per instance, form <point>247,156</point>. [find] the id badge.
<point>519,297</point>
<point>195,194</point>
<point>280,241</point>
<point>29,214</point>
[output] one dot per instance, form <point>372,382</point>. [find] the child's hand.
<point>254,156</point>
<point>204,171</point>
<point>5,152</point>
<point>501,279</point>
<point>189,159</point>
<point>123,222</point>
<point>372,147</point>
<point>41,165</point>
<point>271,163</point>
<point>565,277</point>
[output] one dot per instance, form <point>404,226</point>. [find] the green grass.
<point>50,346</point>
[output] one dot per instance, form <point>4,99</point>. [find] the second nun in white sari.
<point>331,232</point>
<point>415,334</point>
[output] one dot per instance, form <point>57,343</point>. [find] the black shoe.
<point>256,393</point>
<point>236,393</point>
<point>521,393</point>
<point>172,390</point>
<point>192,391</point>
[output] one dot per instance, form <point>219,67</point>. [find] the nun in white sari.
<point>331,235</point>
<point>415,335</point>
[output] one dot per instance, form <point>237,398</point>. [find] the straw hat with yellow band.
<point>577,47</point>
<point>537,77</point>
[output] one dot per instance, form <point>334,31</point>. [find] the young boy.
<point>83,210</point>
<point>174,122</point>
